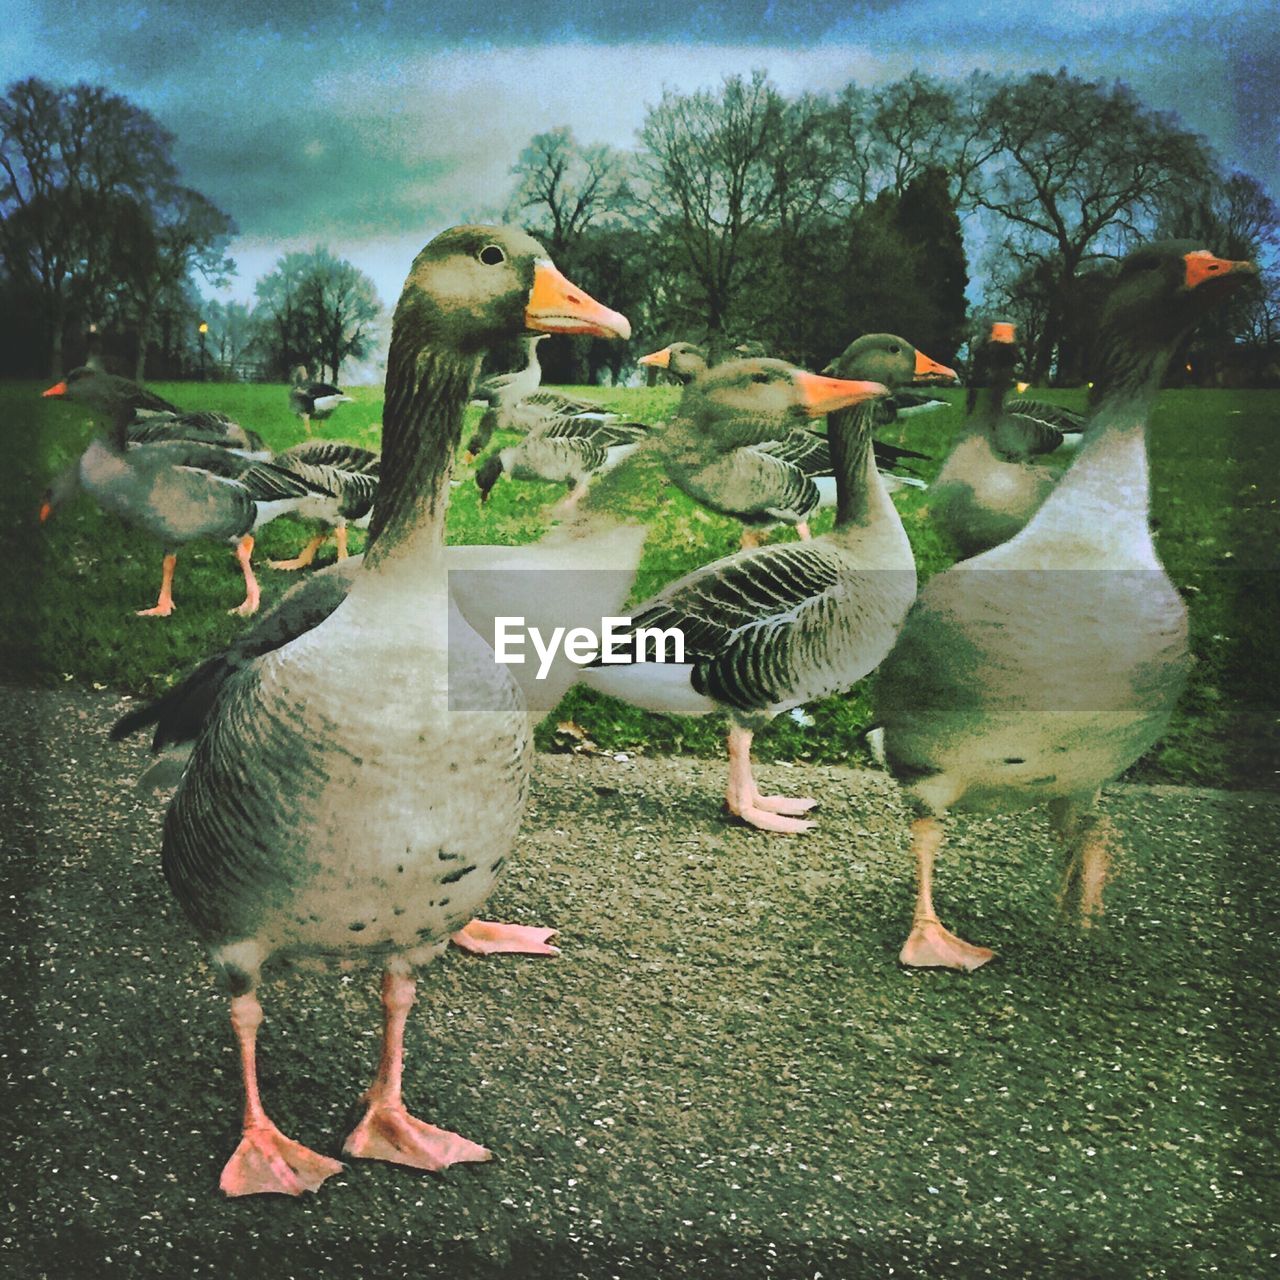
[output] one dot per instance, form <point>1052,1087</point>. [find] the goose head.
<point>683,360</point>
<point>887,358</point>
<point>474,286</point>
<point>1161,291</point>
<point>770,393</point>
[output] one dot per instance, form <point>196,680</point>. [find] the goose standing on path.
<point>768,629</point>
<point>978,709</point>
<point>323,812</point>
<point>176,491</point>
<point>313,399</point>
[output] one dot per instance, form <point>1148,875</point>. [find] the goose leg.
<point>164,606</point>
<point>1089,837</point>
<point>803,532</point>
<point>265,1160</point>
<point>304,557</point>
<point>930,945</point>
<point>743,799</point>
<point>340,539</point>
<point>388,1131</point>
<point>244,551</point>
<point>486,938</point>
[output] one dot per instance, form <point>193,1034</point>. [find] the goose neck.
<point>426,396</point>
<point>853,462</point>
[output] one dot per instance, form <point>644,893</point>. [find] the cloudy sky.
<point>369,125</point>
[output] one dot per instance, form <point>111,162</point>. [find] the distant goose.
<point>566,451</point>
<point>979,709</point>
<point>344,478</point>
<point>984,494</point>
<point>716,446</point>
<point>149,418</point>
<point>313,399</point>
<point>176,491</point>
<point>682,360</point>
<point>770,628</point>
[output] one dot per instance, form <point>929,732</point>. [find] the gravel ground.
<point>725,1073</point>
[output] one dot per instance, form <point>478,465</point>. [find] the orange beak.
<point>1202,266</point>
<point>659,359</point>
<point>557,306</point>
<point>926,368</point>
<point>58,389</point>
<point>46,510</point>
<point>825,395</point>
<point>1001,332</point>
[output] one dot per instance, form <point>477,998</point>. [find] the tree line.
<point>801,222</point>
<point>99,234</point>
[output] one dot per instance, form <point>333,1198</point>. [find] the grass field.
<point>74,583</point>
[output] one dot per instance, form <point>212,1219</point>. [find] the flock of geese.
<point>318,811</point>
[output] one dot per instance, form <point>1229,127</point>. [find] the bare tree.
<point>709,165</point>
<point>317,310</point>
<point>1076,170</point>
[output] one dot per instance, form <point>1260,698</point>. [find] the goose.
<point>893,361</point>
<point>977,708</point>
<point>985,492</point>
<point>345,477</point>
<point>710,448</point>
<point>325,813</point>
<point>176,491</point>
<point>682,360</point>
<point>151,419</point>
<point>895,354</point>
<point>315,400</point>
<point>770,628</point>
<point>564,450</point>
<point>501,390</point>
<point>535,413</point>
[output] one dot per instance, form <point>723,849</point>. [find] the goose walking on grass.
<point>177,492</point>
<point>978,708</point>
<point>768,629</point>
<point>311,400</point>
<point>716,448</point>
<point>324,812</point>
<point>563,451</point>
<point>345,480</point>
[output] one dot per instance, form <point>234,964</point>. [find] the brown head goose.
<point>326,813</point>
<point>768,629</point>
<point>905,369</point>
<point>682,360</point>
<point>711,447</point>
<point>313,399</point>
<point>176,491</point>
<point>978,708</point>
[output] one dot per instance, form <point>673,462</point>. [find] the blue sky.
<point>370,126</point>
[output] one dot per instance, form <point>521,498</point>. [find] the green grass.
<point>1215,492</point>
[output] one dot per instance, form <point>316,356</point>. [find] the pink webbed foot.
<point>266,1162</point>
<point>766,820</point>
<point>930,946</point>
<point>791,806</point>
<point>389,1132</point>
<point>246,608</point>
<point>486,938</point>
<point>161,610</point>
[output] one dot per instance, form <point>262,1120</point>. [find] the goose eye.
<point>491,255</point>
<point>894,349</point>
